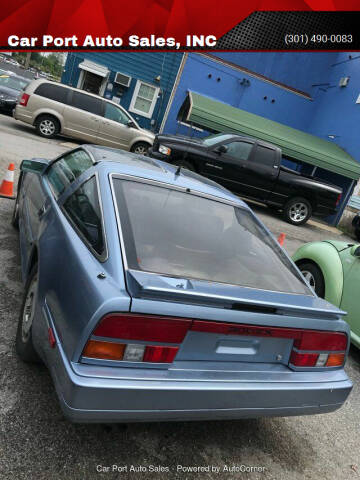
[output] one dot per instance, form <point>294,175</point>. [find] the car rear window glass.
<point>87,103</point>
<point>53,92</point>
<point>83,209</point>
<point>228,244</point>
<point>67,169</point>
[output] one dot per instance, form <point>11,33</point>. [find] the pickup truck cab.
<point>250,168</point>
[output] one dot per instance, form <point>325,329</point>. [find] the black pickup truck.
<point>250,168</point>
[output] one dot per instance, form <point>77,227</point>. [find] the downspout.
<point>173,91</point>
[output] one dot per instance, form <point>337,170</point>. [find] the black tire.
<point>15,214</point>
<point>141,148</point>
<point>47,126</point>
<point>314,276</point>
<point>297,211</point>
<point>184,164</point>
<point>23,343</point>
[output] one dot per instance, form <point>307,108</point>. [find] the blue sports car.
<point>152,293</point>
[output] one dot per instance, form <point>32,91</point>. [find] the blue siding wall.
<point>260,97</point>
<point>140,66</point>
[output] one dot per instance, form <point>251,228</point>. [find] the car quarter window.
<point>239,150</point>
<point>53,92</point>
<point>83,209</point>
<point>87,102</point>
<point>115,113</point>
<point>67,169</point>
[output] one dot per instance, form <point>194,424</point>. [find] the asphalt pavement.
<point>36,442</point>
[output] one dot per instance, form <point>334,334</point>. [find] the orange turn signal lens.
<point>335,359</point>
<point>105,350</point>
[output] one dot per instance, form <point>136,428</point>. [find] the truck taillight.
<point>338,199</point>
<point>24,99</point>
<point>156,339</point>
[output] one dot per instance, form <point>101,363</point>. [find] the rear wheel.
<point>297,211</point>
<point>15,214</point>
<point>313,277</point>
<point>24,344</point>
<point>184,164</point>
<point>140,148</point>
<point>47,126</point>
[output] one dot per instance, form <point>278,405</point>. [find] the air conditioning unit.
<point>344,81</point>
<point>122,79</point>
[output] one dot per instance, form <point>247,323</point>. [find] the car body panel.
<point>341,271</point>
<point>325,255</point>
<point>214,375</point>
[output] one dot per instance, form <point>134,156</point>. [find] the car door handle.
<point>213,166</point>
<point>41,211</point>
<point>95,119</point>
<point>106,123</point>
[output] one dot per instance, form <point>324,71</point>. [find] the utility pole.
<point>27,60</point>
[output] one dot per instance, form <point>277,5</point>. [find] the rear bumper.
<point>86,395</point>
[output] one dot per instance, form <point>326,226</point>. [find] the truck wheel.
<point>47,126</point>
<point>297,211</point>
<point>24,344</point>
<point>184,164</point>
<point>314,277</point>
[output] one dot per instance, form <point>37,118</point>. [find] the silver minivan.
<point>54,109</point>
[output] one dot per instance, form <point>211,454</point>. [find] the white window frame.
<point>135,95</point>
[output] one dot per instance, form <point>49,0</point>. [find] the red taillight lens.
<point>160,354</point>
<point>140,327</point>
<point>24,99</point>
<point>338,199</point>
<point>303,359</point>
<point>321,341</point>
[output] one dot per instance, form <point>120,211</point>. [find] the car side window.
<point>116,114</point>
<point>83,209</point>
<point>53,92</point>
<point>67,169</point>
<point>87,102</point>
<point>239,150</point>
<point>265,156</point>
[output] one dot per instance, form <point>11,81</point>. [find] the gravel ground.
<point>36,442</point>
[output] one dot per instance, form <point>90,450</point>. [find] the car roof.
<point>117,161</point>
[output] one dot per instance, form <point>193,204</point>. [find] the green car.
<point>332,269</point>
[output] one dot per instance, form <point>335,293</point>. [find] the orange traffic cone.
<point>7,186</point>
<point>281,238</point>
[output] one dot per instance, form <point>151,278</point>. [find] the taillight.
<point>149,338</point>
<point>24,99</point>
<point>338,200</point>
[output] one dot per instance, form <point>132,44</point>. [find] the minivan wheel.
<point>140,148</point>
<point>47,126</point>
<point>297,211</point>
<point>24,343</point>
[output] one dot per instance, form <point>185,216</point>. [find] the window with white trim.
<point>144,99</point>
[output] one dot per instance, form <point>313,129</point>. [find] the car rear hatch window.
<point>173,232</point>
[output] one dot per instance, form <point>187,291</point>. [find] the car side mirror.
<point>355,251</point>
<point>131,124</point>
<point>36,165</point>
<point>221,149</point>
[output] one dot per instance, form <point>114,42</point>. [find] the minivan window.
<point>116,114</point>
<point>228,244</point>
<point>87,102</point>
<point>83,208</point>
<point>67,169</point>
<point>53,92</point>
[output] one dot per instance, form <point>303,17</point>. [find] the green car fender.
<point>327,258</point>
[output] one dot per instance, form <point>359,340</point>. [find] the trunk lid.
<point>240,320</point>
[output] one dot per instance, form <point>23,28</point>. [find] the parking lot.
<point>37,442</point>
